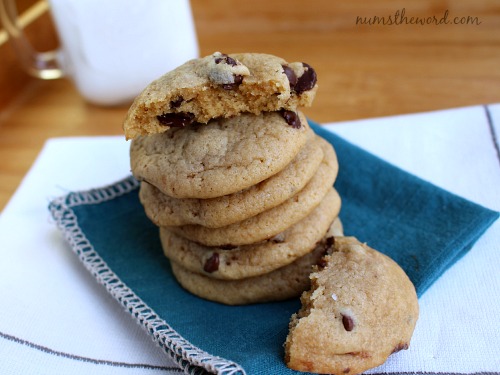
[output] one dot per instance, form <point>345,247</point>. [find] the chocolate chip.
<point>212,263</point>
<point>330,241</point>
<point>228,247</point>
<point>307,80</point>
<point>328,245</point>
<point>177,102</point>
<point>400,346</point>
<point>347,370</point>
<point>327,250</point>
<point>226,59</point>
<point>238,79</point>
<point>231,61</point>
<point>292,77</point>
<point>279,238</point>
<point>322,263</point>
<point>176,120</point>
<point>291,118</point>
<point>347,322</point>
<point>231,86</point>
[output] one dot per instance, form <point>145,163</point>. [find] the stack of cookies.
<point>239,185</point>
<point>242,191</point>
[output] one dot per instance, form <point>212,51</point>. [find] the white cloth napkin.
<point>55,318</point>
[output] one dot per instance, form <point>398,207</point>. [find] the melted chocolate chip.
<point>231,86</point>
<point>292,77</point>
<point>291,118</point>
<point>226,59</point>
<point>228,247</point>
<point>322,263</point>
<point>238,79</point>
<point>212,263</point>
<point>279,238</point>
<point>177,102</point>
<point>330,241</point>
<point>328,245</point>
<point>348,323</point>
<point>347,370</point>
<point>400,346</point>
<point>307,80</point>
<point>176,120</point>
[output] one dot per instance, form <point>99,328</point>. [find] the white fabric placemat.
<point>56,319</point>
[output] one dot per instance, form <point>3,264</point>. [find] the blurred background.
<point>364,70</point>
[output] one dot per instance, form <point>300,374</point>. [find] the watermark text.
<point>400,18</point>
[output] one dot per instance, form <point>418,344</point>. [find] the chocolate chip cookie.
<point>360,309</point>
<point>221,85</point>
<point>285,282</point>
<point>218,158</point>
<point>222,211</point>
<point>238,262</point>
<point>269,223</point>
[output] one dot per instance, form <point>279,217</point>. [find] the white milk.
<point>113,49</point>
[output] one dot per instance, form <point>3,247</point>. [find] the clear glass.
<point>44,65</point>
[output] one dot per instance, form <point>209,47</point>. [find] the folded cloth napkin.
<point>424,228</point>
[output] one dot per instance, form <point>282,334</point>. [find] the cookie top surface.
<point>285,282</point>
<point>220,85</point>
<point>271,222</point>
<point>222,211</point>
<point>218,158</point>
<point>256,259</point>
<point>361,308</point>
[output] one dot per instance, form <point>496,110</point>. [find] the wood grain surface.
<point>365,68</point>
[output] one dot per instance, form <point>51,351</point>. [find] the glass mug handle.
<point>42,65</point>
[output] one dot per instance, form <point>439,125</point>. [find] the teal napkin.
<point>422,227</point>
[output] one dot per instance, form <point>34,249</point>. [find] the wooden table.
<point>364,70</point>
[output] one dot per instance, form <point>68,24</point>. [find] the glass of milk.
<point>111,49</point>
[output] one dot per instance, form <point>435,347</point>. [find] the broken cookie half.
<point>361,308</point>
<point>221,86</point>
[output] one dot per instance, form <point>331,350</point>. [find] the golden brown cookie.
<point>360,309</point>
<point>285,282</point>
<point>221,85</point>
<point>222,211</point>
<point>218,158</point>
<point>256,259</point>
<point>269,223</point>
